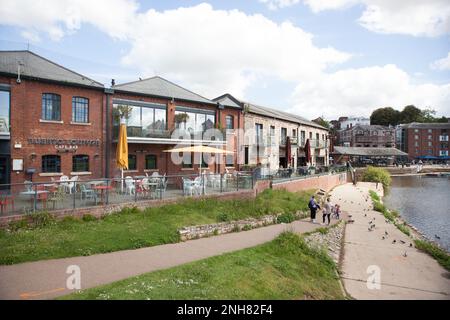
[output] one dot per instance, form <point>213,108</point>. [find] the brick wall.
<point>321,182</point>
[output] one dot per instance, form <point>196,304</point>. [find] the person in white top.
<point>327,207</point>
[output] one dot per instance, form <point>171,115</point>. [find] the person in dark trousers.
<point>327,211</point>
<point>313,206</point>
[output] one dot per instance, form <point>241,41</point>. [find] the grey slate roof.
<point>227,100</point>
<point>35,66</point>
<point>369,152</point>
<point>273,113</point>
<point>419,125</point>
<point>157,86</point>
<point>370,127</point>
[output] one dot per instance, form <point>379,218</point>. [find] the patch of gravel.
<point>331,241</point>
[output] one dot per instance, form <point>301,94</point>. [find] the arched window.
<point>80,163</point>
<point>51,107</point>
<point>80,110</point>
<point>51,163</point>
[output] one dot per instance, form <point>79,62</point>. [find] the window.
<point>80,110</point>
<point>430,143</point>
<point>416,130</point>
<point>189,162</point>
<point>302,137</point>
<point>144,121</point>
<point>51,107</point>
<point>194,121</point>
<point>4,111</point>
<point>430,137</point>
<point>294,133</point>
<point>259,133</point>
<point>283,136</point>
<point>51,163</point>
<point>150,162</point>
<point>229,122</point>
<point>416,144</point>
<point>416,137</point>
<point>430,130</point>
<point>246,155</point>
<point>80,163</point>
<point>132,162</point>
<point>229,160</point>
<point>310,135</point>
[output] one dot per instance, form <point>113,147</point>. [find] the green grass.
<point>284,268</point>
<point>47,238</point>
<point>433,250</point>
<point>391,215</point>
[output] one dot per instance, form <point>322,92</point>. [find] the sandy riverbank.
<point>404,271</point>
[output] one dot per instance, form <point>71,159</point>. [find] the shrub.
<point>14,226</point>
<point>247,227</point>
<point>380,175</point>
<point>403,228</point>
<point>223,217</point>
<point>42,219</point>
<point>374,195</point>
<point>88,217</point>
<point>285,218</point>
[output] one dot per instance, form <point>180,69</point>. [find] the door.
<point>4,172</point>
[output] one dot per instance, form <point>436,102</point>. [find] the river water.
<point>423,202</point>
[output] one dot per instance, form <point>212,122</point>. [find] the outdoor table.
<point>32,193</point>
<point>102,191</point>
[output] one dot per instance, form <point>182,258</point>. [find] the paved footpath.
<point>47,279</point>
<point>414,276</point>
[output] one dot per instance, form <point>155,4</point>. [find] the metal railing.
<point>29,197</point>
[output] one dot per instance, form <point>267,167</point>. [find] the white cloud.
<point>429,18</point>
<point>275,4</point>
<point>215,51</point>
<point>218,50</point>
<point>359,91</point>
<point>57,18</point>
<point>442,64</point>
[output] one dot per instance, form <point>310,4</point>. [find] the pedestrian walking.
<point>327,211</point>
<point>313,206</point>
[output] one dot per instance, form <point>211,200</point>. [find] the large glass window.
<point>80,163</point>
<point>80,110</point>
<point>145,121</point>
<point>4,111</point>
<point>150,161</point>
<point>283,136</point>
<point>51,163</point>
<point>229,160</point>
<point>51,107</point>
<point>132,162</point>
<point>194,122</point>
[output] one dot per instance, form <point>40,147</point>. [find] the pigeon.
<point>365,214</point>
<point>403,242</point>
<point>411,245</point>
<point>405,255</point>
<point>394,241</point>
<point>383,238</point>
<point>370,229</point>
<point>437,237</point>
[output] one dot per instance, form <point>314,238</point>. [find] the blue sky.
<point>290,70</point>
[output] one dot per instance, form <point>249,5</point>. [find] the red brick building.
<point>424,141</point>
<point>50,118</point>
<point>55,122</point>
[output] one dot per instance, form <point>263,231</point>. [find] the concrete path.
<point>416,276</point>
<point>47,279</point>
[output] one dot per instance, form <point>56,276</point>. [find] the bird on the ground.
<point>437,237</point>
<point>403,242</point>
<point>385,232</point>
<point>370,229</point>
<point>405,255</point>
<point>411,245</point>
<point>365,214</point>
<point>383,238</point>
<point>394,241</point>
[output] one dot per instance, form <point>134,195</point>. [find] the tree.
<point>385,116</point>
<point>411,114</point>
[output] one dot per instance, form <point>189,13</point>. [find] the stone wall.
<point>326,182</point>
<point>207,230</point>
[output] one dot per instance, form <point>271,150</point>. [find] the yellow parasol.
<point>122,149</point>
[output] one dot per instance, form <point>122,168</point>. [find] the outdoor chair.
<point>130,187</point>
<point>28,185</point>
<point>5,200</point>
<point>87,193</point>
<point>57,196</point>
<point>161,189</point>
<point>188,187</point>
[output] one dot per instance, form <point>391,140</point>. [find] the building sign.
<point>68,142</point>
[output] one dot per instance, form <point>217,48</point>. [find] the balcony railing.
<point>318,144</point>
<point>139,132</point>
<point>443,138</point>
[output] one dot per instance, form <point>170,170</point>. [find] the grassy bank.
<point>377,175</point>
<point>47,238</point>
<point>284,268</point>
<point>428,247</point>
